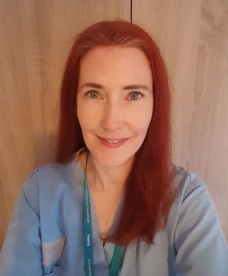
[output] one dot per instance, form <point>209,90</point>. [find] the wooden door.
<point>36,36</point>
<point>193,37</point>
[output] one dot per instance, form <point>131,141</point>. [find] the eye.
<point>135,95</point>
<point>93,94</point>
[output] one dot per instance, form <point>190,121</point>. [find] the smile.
<point>113,143</point>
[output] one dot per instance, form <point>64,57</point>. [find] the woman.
<point>118,207</point>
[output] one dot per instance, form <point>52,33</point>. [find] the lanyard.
<point>87,238</point>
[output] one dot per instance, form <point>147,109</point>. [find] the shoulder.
<point>52,181</point>
<point>193,204</point>
<point>186,183</point>
<point>53,169</point>
<point>194,228</point>
<point>54,172</point>
<point>192,199</point>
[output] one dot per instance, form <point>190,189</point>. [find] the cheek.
<point>82,116</point>
<point>142,120</point>
<point>87,117</point>
<point>83,119</point>
<point>144,126</point>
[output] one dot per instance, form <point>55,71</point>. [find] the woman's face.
<point>114,103</point>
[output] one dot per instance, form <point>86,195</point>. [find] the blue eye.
<point>134,96</point>
<point>93,94</point>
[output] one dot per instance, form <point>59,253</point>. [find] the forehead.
<point>121,61</point>
<point>117,53</point>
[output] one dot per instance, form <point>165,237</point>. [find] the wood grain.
<point>193,37</point>
<point>35,39</point>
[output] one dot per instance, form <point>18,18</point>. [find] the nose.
<point>112,117</point>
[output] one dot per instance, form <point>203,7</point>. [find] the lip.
<point>113,143</point>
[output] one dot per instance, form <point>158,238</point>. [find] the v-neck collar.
<point>102,254</point>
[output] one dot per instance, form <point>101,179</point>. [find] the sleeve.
<point>201,249</point>
<point>21,252</point>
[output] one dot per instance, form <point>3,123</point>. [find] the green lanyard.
<point>87,239</point>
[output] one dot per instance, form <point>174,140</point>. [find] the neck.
<point>106,186</point>
<point>108,179</point>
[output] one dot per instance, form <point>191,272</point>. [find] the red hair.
<point>149,193</point>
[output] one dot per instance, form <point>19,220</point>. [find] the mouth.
<point>113,143</point>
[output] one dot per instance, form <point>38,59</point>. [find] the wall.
<point>35,39</point>
<point>193,36</point>
<point>36,36</point>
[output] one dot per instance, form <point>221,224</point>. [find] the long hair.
<point>148,187</point>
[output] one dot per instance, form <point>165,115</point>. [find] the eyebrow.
<point>91,84</point>
<point>128,87</point>
<point>136,86</point>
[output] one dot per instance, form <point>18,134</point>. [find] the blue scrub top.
<point>44,236</point>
